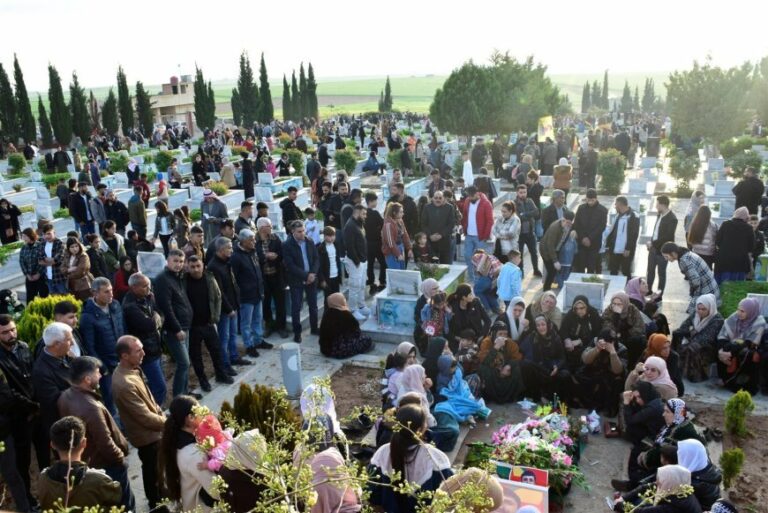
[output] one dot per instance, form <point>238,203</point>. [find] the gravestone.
<point>547,181</point>
<point>648,162</point>
<point>266,179</point>
<point>727,206</point>
<point>594,292</point>
<point>43,210</point>
<point>262,193</point>
<point>43,192</point>
<point>637,186</point>
<point>716,164</point>
<point>196,193</point>
<point>724,187</point>
<point>150,264</point>
<point>226,151</point>
<point>763,300</point>
<point>216,177</point>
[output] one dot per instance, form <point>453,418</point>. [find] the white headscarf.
<point>710,302</point>
<point>412,380</point>
<point>317,401</point>
<point>427,286</point>
<point>247,449</point>
<point>670,478</point>
<point>514,331</point>
<point>692,455</point>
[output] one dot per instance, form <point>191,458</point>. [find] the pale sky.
<point>156,39</point>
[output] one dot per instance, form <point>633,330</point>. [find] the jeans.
<point>484,291</point>
<point>57,288</point>
<point>563,274</point>
<point>356,283</point>
<point>119,473</point>
<point>228,339</point>
<point>471,243</point>
<point>251,323</point>
<point>153,370</point>
<point>105,387</point>
<point>205,334</point>
<point>85,229</point>
<point>297,299</point>
<point>656,259</point>
<point>529,240</point>
<point>148,457</point>
<point>179,350</point>
<point>551,273</point>
<point>13,475</point>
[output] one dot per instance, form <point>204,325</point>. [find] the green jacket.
<point>214,297</point>
<point>550,240</point>
<point>90,487</point>
<point>137,213</point>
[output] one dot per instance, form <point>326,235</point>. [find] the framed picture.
<point>519,474</point>
<point>403,283</point>
<point>518,495</point>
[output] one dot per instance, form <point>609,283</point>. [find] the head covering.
<point>316,401</point>
<point>723,506</point>
<point>405,348</point>
<point>633,289</point>
<point>412,380</point>
<point>663,377</point>
<point>751,307</point>
<point>132,164</point>
<point>517,300</point>
<point>656,343</point>
<point>581,299</point>
<point>541,299</point>
<point>332,494</point>
<point>692,455</point>
<point>482,479</point>
<point>693,205</point>
<point>562,162</point>
<point>624,298</point>
<point>677,406</point>
<point>427,286</point>
<point>741,213</point>
<point>338,302</point>
<point>710,302</point>
<point>646,390</point>
<point>321,432</point>
<point>444,364</point>
<point>246,450</point>
<point>209,194</point>
<point>670,478</point>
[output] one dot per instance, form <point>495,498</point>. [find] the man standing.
<point>588,167</point>
<point>528,214</point>
<point>97,205</point>
<point>137,213</point>
<point>245,218</point>
<point>227,231</point>
<point>437,221</point>
<point>108,448</point>
<point>548,159</point>
<point>213,212</point>
<point>373,226</point>
<point>555,210</point>
<point>269,248</point>
<point>115,210</point>
<point>50,256</point>
<point>553,239</point>
<point>622,239</point>
<point>749,191</point>
<point>477,221</point>
<point>173,303</point>
<point>497,157</point>
<point>80,209</point>
<point>288,206</point>
<point>330,205</point>
<point>356,260</point>
<point>479,154</point>
<point>302,264</point>
<point>247,271</point>
<point>663,232</point>
<point>61,160</point>
<point>143,321</point>
<point>590,221</point>
<point>101,324</point>
<point>142,417</point>
<point>313,167</point>
<point>194,246</point>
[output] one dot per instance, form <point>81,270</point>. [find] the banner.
<point>546,129</point>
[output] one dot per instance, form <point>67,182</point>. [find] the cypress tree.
<point>109,113</point>
<point>287,113</point>
<point>314,110</point>
<point>203,113</point>
<point>144,110</point>
<point>636,100</point>
<point>295,99</point>
<point>45,125</point>
<point>61,121</point>
<point>381,101</point>
<point>124,101</point>
<point>585,99</point>
<point>303,93</point>
<point>387,96</point>
<point>597,95</point>
<point>26,119</point>
<point>79,106</point>
<point>94,113</point>
<point>237,108</point>
<point>267,108</point>
<point>626,98</point>
<point>8,114</point>
<point>649,95</point>
<point>606,104</point>
<point>211,105</point>
<point>248,92</point>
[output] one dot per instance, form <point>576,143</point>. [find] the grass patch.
<point>7,249</point>
<point>732,292</point>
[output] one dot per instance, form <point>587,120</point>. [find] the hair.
<point>64,307</point>
<point>162,208</point>
<point>138,189</point>
<point>358,208</point>
<point>513,253</point>
<point>99,283</point>
<point>246,233</point>
<point>46,228</point>
<point>196,229</point>
<point>71,241</point>
<point>371,196</point>
<point>91,237</point>
<point>226,223</point>
<point>123,345</point>
<point>663,200</point>
<point>399,186</point>
<point>292,189</point>
<point>82,366</point>
<point>509,205</point>
<point>183,214</point>
<point>122,260</point>
<point>405,442</point>
<point>329,230</point>
<point>533,175</point>
<point>246,204</point>
<point>471,190</point>
<point>193,259</point>
<point>699,225</point>
<point>67,433</point>
<point>419,235</point>
<point>522,187</point>
<point>220,243</point>
<point>355,194</point>
<point>557,193</point>
<point>462,291</point>
<point>622,200</point>
<point>169,474</point>
<point>295,224</point>
<point>74,234</point>
<point>395,361</point>
<point>55,332</point>
<point>134,278</point>
<point>671,247</point>
<point>393,209</point>
<point>30,233</point>
<point>5,319</point>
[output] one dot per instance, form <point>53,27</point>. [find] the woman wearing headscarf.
<point>240,471</point>
<point>673,494</point>
<point>695,339</point>
<point>737,344</point>
<point>627,322</point>
<point>397,361</point>
<point>499,371</point>
<point>694,204</point>
<point>637,289</point>
<point>581,324</point>
<point>654,371</point>
<point>723,506</point>
<point>429,288</point>
<point>705,477</point>
<point>643,414</point>
<point>514,318</point>
<point>468,313</point>
<point>340,335</point>
<point>659,345</point>
<point>543,367</point>
<point>601,377</point>
<point>546,305</point>
<point>702,233</point>
<point>457,399</point>
<point>735,241</point>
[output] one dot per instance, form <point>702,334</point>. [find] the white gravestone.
<point>262,193</point>
<point>763,300</point>
<point>637,186</point>
<point>594,292</point>
<point>727,206</point>
<point>716,164</point>
<point>150,264</point>
<point>724,187</point>
<point>648,163</point>
<point>266,179</point>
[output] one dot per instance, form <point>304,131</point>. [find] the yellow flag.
<point>546,129</point>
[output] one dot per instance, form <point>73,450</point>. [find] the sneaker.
<point>284,333</point>
<point>360,317</point>
<point>205,386</point>
<point>365,311</point>
<point>231,372</point>
<point>297,338</point>
<point>227,380</point>
<point>251,351</point>
<point>242,361</point>
<point>265,345</point>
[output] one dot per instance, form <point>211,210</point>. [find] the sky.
<point>156,39</point>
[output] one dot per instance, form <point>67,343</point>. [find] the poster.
<point>403,283</point>
<point>527,475</point>
<point>546,129</point>
<point>517,495</point>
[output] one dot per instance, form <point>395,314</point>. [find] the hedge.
<point>732,292</point>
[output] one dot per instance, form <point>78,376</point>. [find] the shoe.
<point>297,338</point>
<point>360,317</point>
<point>265,345</point>
<point>231,372</point>
<point>251,351</point>
<point>537,274</point>
<point>284,333</point>
<point>620,485</point>
<point>314,331</point>
<point>205,386</point>
<point>227,380</point>
<point>383,286</point>
<point>267,332</point>
<point>242,361</point>
<point>365,311</point>
<point>373,290</point>
<point>196,395</point>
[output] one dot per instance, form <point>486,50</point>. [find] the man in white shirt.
<point>466,173</point>
<point>622,238</point>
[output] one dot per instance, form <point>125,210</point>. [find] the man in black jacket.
<point>313,167</point>
<point>329,274</point>
<point>269,248</point>
<point>245,218</point>
<point>355,261</point>
<point>590,222</point>
<point>171,296</point>
<point>330,206</point>
<point>437,221</point>
<point>622,240</point>
<point>373,225</point>
<point>61,160</point>
<point>142,319</point>
<point>663,231</point>
<point>288,206</point>
<point>80,209</point>
<point>302,265</point>
<point>247,271</point>
<point>588,167</point>
<point>555,210</point>
<point>749,191</point>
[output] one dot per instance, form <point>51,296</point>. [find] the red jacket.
<point>484,217</point>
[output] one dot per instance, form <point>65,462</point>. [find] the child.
<point>457,401</point>
<point>99,266</point>
<point>421,250</point>
<point>329,276</point>
<point>312,226</point>
<point>565,257</point>
<point>436,315</point>
<point>510,281</point>
<point>487,268</point>
<point>466,355</point>
<point>262,210</point>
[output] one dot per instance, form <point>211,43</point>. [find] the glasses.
<point>617,304</point>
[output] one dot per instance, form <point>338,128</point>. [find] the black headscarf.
<point>647,391</point>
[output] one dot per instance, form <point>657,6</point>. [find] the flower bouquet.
<point>212,439</point>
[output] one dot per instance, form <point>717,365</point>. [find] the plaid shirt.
<point>58,256</point>
<point>700,278</point>
<point>28,259</point>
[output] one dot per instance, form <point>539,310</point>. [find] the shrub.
<point>195,214</point>
<point>151,176</point>
<point>17,163</point>
<point>610,168</point>
<point>345,160</point>
<point>741,161</point>
<point>118,162</point>
<point>731,462</point>
<point>53,180</point>
<point>732,292</point>
<point>394,159</point>
<point>296,158</point>
<point>237,150</point>
<point>736,410</point>
<point>261,407</point>
<point>220,188</point>
<point>163,160</point>
<point>284,139</point>
<point>42,167</point>
<point>61,213</point>
<point>7,249</point>
<point>458,167</point>
<point>38,314</point>
<point>683,168</point>
<point>733,147</point>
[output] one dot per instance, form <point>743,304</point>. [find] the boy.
<point>420,249</point>
<point>329,276</point>
<point>312,226</point>
<point>510,281</point>
<point>262,210</point>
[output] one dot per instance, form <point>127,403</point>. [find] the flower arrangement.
<point>211,438</point>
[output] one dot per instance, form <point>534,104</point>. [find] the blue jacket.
<point>294,261</point>
<point>245,267</point>
<point>567,252</point>
<point>100,331</point>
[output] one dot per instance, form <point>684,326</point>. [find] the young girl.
<point>456,398</point>
<point>76,266</point>
<point>436,315</point>
<point>420,249</point>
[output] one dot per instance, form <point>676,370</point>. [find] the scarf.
<point>515,330</point>
<point>247,449</point>
<point>427,287</point>
<point>752,308</point>
<point>692,455</point>
<point>412,380</point>
<point>405,348</point>
<point>624,298</point>
<point>663,378</point>
<point>338,301</point>
<point>633,289</point>
<point>317,401</point>
<point>710,302</point>
<point>670,479</point>
<point>677,407</point>
<point>656,343</point>
<point>332,494</point>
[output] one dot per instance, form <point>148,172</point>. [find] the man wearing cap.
<point>214,212</point>
<point>303,265</point>
<point>247,272</point>
<point>589,223</point>
<point>80,209</point>
<point>269,248</point>
<point>551,242</point>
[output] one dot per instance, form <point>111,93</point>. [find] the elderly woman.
<point>672,495</point>
<point>659,345</point>
<point>340,335</point>
<point>546,305</point>
<point>695,339</point>
<point>429,288</point>
<point>627,322</point>
<point>581,324</point>
<point>735,241</point>
<point>544,369</point>
<point>244,489</point>
<point>500,372</point>
<point>601,377</point>
<point>654,371</point>
<point>737,343</point>
<point>705,477</point>
<point>637,290</point>
<point>506,229</point>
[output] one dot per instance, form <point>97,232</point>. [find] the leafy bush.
<point>163,160</point>
<point>195,214</point>
<point>148,158</point>
<point>736,410</point>
<point>7,249</point>
<point>61,213</point>
<point>732,292</point>
<point>683,168</point>
<point>284,139</point>
<point>237,150</point>
<point>731,462</point>
<point>53,180</point>
<point>42,167</point>
<point>741,161</point>
<point>346,160</point>
<point>151,176</point>
<point>38,314</point>
<point>118,162</point>
<point>733,147</point>
<point>17,163</point>
<point>394,159</point>
<point>296,158</point>
<point>458,167</point>
<point>610,168</point>
<point>220,188</point>
<point>264,408</point>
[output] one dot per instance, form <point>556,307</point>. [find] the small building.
<point>176,103</point>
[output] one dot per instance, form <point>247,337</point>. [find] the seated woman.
<point>543,367</point>
<point>467,313</point>
<point>340,335</point>
<point>659,345</point>
<point>396,362</point>
<point>654,371</point>
<point>385,424</point>
<point>705,477</point>
<point>244,489</point>
<point>429,288</point>
<point>499,371</point>
<point>581,324</point>
<point>435,317</point>
<point>412,460</point>
<point>643,412</point>
<point>673,493</point>
<point>626,321</point>
<point>457,399</point>
<point>737,344</point>
<point>696,338</point>
<point>601,378</point>
<point>546,305</point>
<point>514,318</point>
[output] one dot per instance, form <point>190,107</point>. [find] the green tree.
<point>204,116</point>
<point>237,108</point>
<point>78,104</point>
<point>94,113</point>
<point>597,95</point>
<point>211,104</point>
<point>636,100</point>
<point>586,101</point>
<point>295,99</point>
<point>459,105</point>
<point>381,101</point>
<point>649,96</point>
<point>303,93</point>
<point>248,92</point>
<point>387,96</point>
<point>267,108</point>
<point>759,96</point>
<point>314,110</point>
<point>109,117</point>
<point>124,102</point>
<point>26,119</point>
<point>60,117</point>
<point>709,102</point>
<point>605,101</point>
<point>626,99</point>
<point>45,124</point>
<point>144,110</point>
<point>287,104</point>
<point>8,114</point>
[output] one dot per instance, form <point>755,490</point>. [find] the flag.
<point>546,129</point>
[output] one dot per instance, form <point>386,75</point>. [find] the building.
<point>176,103</point>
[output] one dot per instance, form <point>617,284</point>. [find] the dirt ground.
<point>355,386</point>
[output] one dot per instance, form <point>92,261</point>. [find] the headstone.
<point>763,300</point>
<point>724,187</point>
<point>43,192</point>
<point>594,292</point>
<point>266,179</point>
<point>403,283</point>
<point>262,193</point>
<point>716,164</point>
<point>547,181</point>
<point>36,176</point>
<point>727,206</point>
<point>649,175</point>
<point>43,211</point>
<point>648,162</point>
<point>638,186</point>
<point>216,177</point>
<point>196,193</point>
